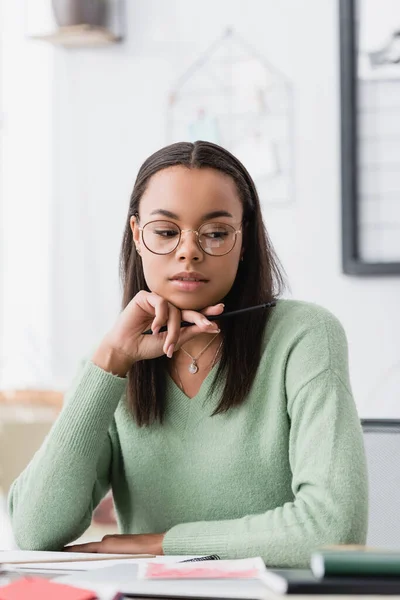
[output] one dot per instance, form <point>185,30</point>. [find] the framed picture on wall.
<point>370,136</point>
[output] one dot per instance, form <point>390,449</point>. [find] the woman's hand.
<point>125,344</point>
<point>150,543</point>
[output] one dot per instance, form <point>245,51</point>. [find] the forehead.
<point>190,193</point>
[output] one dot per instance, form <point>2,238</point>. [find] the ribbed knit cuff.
<point>88,411</point>
<point>202,538</point>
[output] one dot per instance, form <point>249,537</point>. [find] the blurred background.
<point>90,88</point>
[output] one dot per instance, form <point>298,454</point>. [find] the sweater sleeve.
<point>52,501</point>
<point>326,454</point>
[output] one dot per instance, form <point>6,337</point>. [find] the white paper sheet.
<point>69,566</point>
<point>124,578</point>
<point>7,558</point>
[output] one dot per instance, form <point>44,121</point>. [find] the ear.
<point>135,232</point>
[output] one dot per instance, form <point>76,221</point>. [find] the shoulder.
<point>293,319</point>
<point>306,339</point>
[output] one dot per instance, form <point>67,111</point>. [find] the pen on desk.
<point>199,558</point>
<point>221,316</point>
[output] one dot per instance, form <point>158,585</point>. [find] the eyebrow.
<point>211,215</point>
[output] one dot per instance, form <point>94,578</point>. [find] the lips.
<point>189,276</point>
<point>187,279</point>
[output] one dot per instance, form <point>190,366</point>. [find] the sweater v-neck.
<point>182,412</point>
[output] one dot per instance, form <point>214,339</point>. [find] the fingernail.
<point>206,322</point>
<point>156,330</point>
<point>215,331</point>
<point>220,304</point>
<point>170,350</point>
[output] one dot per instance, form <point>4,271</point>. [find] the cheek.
<point>154,269</point>
<point>224,271</point>
<point>227,271</point>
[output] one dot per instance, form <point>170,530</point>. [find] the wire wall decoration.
<point>235,98</point>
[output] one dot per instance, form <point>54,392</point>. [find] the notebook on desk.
<point>124,577</point>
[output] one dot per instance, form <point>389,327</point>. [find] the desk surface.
<point>7,577</point>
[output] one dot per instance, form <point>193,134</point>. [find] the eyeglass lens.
<point>162,237</point>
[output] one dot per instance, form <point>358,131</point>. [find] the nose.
<point>188,248</point>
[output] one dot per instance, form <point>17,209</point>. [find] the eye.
<point>165,233</point>
<point>215,231</point>
<point>216,235</point>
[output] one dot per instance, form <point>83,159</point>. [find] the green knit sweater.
<point>276,477</point>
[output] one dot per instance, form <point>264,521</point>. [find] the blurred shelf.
<point>79,36</point>
<point>43,398</point>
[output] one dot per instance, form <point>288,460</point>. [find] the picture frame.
<point>370,138</point>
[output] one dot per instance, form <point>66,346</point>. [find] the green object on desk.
<point>366,562</point>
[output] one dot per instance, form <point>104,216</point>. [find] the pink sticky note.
<point>34,588</point>
<point>203,570</point>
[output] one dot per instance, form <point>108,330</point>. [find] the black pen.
<point>201,558</point>
<point>217,317</point>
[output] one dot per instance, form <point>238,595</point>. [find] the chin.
<point>189,301</point>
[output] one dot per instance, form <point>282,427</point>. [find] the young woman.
<point>238,437</point>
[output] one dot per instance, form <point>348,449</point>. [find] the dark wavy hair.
<point>259,279</point>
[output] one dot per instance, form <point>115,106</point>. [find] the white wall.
<point>25,188</point>
<point>109,109</point>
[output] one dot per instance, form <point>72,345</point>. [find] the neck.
<point>197,344</point>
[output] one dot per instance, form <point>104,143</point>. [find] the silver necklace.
<point>212,365</point>
<point>194,367</point>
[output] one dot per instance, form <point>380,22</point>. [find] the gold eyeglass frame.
<point>196,231</point>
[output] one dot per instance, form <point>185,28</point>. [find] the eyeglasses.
<point>163,237</point>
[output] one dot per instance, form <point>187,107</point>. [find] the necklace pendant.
<point>193,368</point>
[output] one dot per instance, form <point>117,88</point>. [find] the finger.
<point>216,309</point>
<point>174,327</point>
<point>200,320</point>
<point>153,307</point>
<point>161,310</point>
<point>188,333</point>
<point>119,544</point>
<point>89,547</point>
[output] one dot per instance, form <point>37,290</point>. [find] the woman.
<point>238,437</point>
